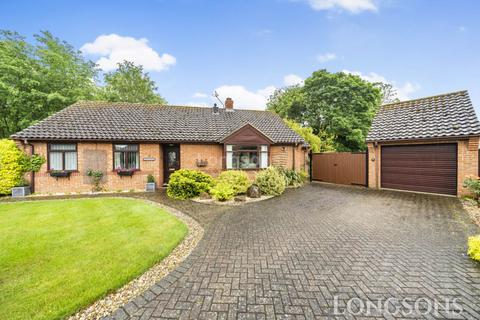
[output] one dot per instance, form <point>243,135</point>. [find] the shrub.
<point>14,164</point>
<point>150,179</point>
<point>222,191</point>
<point>473,184</point>
<point>187,184</point>
<point>474,247</point>
<point>292,178</point>
<point>270,181</point>
<point>96,176</point>
<point>236,179</point>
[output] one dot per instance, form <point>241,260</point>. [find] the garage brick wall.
<point>467,157</point>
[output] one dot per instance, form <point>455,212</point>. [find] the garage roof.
<point>442,116</point>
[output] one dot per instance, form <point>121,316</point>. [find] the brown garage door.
<point>426,168</point>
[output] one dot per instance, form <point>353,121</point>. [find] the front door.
<point>171,158</point>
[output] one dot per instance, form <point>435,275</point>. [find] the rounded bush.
<point>237,179</point>
<point>12,166</point>
<point>474,247</point>
<point>270,181</point>
<point>292,178</point>
<point>187,184</point>
<point>222,192</point>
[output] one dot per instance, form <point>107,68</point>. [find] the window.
<point>126,156</point>
<point>62,156</point>
<point>247,157</point>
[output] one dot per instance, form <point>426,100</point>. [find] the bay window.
<point>246,156</point>
<point>62,157</point>
<point>126,157</point>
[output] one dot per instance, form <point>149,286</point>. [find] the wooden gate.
<point>339,167</point>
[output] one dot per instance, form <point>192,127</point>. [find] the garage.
<point>424,145</point>
<point>423,168</point>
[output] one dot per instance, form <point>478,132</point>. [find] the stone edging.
<point>115,300</point>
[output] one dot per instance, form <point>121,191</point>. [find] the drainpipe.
<point>293,162</point>
<point>32,174</point>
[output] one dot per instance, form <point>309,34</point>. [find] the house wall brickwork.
<point>99,156</point>
<point>213,154</point>
<point>467,161</point>
<point>289,157</point>
<point>103,152</point>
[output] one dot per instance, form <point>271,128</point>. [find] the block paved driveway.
<point>293,256</point>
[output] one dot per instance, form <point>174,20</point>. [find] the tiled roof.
<point>108,121</point>
<point>442,116</point>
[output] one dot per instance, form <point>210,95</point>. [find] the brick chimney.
<point>229,104</point>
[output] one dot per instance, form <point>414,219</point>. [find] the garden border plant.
<point>14,164</point>
<point>186,184</point>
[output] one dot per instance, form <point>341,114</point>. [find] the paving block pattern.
<point>316,250</point>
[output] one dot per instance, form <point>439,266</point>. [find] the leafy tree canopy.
<point>318,143</point>
<point>39,79</point>
<point>337,106</point>
<point>289,103</point>
<point>130,84</point>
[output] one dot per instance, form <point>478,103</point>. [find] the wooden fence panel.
<point>340,167</point>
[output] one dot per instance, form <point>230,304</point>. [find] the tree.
<point>321,143</point>
<point>288,103</point>
<point>38,80</point>
<point>130,84</point>
<point>389,93</point>
<point>341,105</point>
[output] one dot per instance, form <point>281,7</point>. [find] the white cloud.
<point>113,49</point>
<point>326,57</point>
<point>353,6</point>
<point>200,95</point>
<point>245,99</point>
<point>263,32</point>
<point>404,91</point>
<point>292,80</point>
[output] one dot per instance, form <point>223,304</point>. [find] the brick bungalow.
<point>130,141</point>
<point>426,145</point>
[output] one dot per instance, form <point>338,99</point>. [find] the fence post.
<point>366,170</point>
<point>310,155</point>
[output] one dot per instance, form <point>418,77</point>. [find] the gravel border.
<point>231,202</point>
<point>473,210</point>
<point>113,301</point>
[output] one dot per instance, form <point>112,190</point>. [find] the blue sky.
<point>245,49</point>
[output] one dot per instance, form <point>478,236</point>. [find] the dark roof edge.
<point>153,141</point>
<point>425,98</point>
<point>462,137</point>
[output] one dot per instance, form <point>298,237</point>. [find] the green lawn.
<point>61,255</point>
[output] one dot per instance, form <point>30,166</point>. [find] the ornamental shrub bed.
<point>270,181</point>
<point>236,179</point>
<point>292,178</point>
<point>222,192</point>
<point>14,163</point>
<point>474,247</point>
<point>187,184</point>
